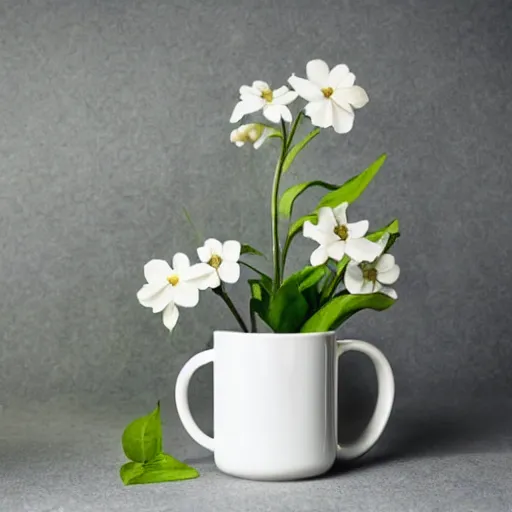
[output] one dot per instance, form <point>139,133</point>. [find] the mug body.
<point>275,404</point>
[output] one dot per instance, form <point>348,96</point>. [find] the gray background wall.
<point>114,116</point>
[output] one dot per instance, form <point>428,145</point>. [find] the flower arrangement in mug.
<point>312,299</point>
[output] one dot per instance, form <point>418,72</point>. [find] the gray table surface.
<point>65,456</point>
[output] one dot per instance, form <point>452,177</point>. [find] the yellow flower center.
<point>215,261</point>
<point>370,274</point>
<point>327,91</point>
<point>173,280</point>
<point>267,95</point>
<point>341,231</point>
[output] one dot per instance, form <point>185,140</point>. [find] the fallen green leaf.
<point>163,468</point>
<point>142,439</point>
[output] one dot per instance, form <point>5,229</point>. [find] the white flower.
<point>220,261</point>
<point>332,95</point>
<point>363,278</point>
<point>168,287</point>
<point>260,96</point>
<point>254,133</point>
<point>337,238</point>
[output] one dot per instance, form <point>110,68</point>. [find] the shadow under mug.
<point>275,403</point>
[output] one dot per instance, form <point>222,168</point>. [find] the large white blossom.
<point>253,133</point>
<point>332,95</point>
<point>336,237</point>
<point>365,277</point>
<point>260,96</point>
<point>169,287</point>
<point>220,262</point>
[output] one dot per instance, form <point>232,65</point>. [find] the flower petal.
<point>385,262</point>
<point>390,276</point>
<point>281,91</point>
<point>196,274</point>
<point>180,262</point>
<point>361,249</point>
<point>209,279</point>
<point>146,294</point>
<point>358,229</point>
<point>213,280</point>
<point>355,95</point>
<point>246,106</point>
<point>336,251</point>
<point>214,245</point>
<point>263,137</point>
<point>340,213</point>
<point>229,272</point>
<point>247,90</point>
<point>322,116</point>
<point>390,292</point>
<point>274,113</point>
<point>231,250</point>
<point>383,242</point>
<point>317,72</point>
<point>341,77</point>
<point>286,98</point>
<point>204,253</point>
<point>313,232</point>
<point>156,271</point>
<point>186,294</point>
<point>353,279</point>
<point>159,301</point>
<point>260,85</point>
<point>326,220</point>
<point>170,316</point>
<point>319,256</point>
<point>342,119</point>
<point>305,88</point>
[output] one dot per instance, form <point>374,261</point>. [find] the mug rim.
<point>277,334</point>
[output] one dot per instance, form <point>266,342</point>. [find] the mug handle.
<point>181,396</point>
<point>385,397</point>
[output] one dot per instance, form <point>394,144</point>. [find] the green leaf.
<point>142,439</point>
<point>307,277</point>
<point>392,228</point>
<point>295,150</point>
<point>162,468</point>
<point>287,309</point>
<point>260,297</point>
<point>290,306</point>
<point>247,249</point>
<point>353,188</point>
<point>265,280</point>
<point>341,308</point>
<point>290,195</point>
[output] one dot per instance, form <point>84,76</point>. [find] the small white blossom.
<point>254,133</point>
<point>336,237</point>
<point>220,262</point>
<point>260,96</point>
<point>363,278</point>
<point>168,287</point>
<point>332,95</point>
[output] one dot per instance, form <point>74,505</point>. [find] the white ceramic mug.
<point>275,403</point>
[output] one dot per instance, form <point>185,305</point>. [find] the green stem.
<point>295,125</point>
<point>221,292</point>
<point>330,286</point>
<point>286,247</point>
<point>276,249</point>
